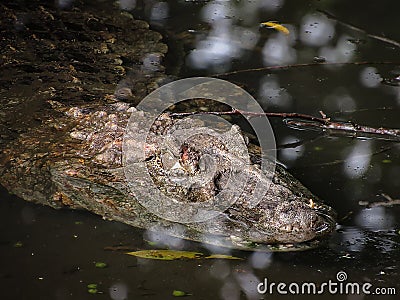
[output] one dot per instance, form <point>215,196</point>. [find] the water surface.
<point>50,254</point>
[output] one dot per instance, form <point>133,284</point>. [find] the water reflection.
<point>230,290</point>
<point>356,163</point>
<point>375,218</point>
<point>159,12</point>
<point>278,49</point>
<point>235,27</point>
<point>343,52</point>
<point>220,269</point>
<point>340,100</point>
<point>248,283</point>
<point>290,155</point>
<point>64,4</point>
<point>369,77</point>
<point>316,30</point>
<point>229,39</point>
<point>271,94</point>
<point>271,5</point>
<point>225,40</point>
<point>118,291</point>
<point>157,236</point>
<point>353,239</point>
<point>260,260</point>
<point>127,4</point>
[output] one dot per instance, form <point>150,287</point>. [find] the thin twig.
<point>389,202</point>
<point>305,121</point>
<point>303,65</point>
<point>251,114</point>
<point>355,28</point>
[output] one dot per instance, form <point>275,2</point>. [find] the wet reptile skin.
<point>75,161</point>
<point>65,150</point>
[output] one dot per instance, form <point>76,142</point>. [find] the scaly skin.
<point>69,154</point>
<point>76,161</point>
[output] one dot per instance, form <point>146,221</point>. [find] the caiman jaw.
<point>293,222</point>
<point>328,221</point>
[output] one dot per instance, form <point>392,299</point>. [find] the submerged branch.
<point>304,121</point>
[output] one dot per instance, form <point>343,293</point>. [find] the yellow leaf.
<point>223,256</point>
<point>175,254</point>
<point>166,254</point>
<point>276,26</point>
<point>177,293</point>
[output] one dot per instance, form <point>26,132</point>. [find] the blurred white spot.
<point>261,260</point>
<point>375,218</point>
<point>152,62</point>
<point>271,5</point>
<point>224,41</point>
<point>212,52</point>
<point>370,77</point>
<point>220,269</point>
<point>357,161</point>
<point>159,12</point>
<point>245,37</point>
<point>159,236</point>
<point>118,291</point>
<point>291,154</point>
<point>277,50</point>
<point>127,4</point>
<point>218,49</point>
<point>340,100</point>
<point>64,3</point>
<point>211,242</point>
<point>271,94</point>
<point>230,291</point>
<point>316,30</point>
<point>343,52</point>
<point>248,283</point>
<point>217,10</point>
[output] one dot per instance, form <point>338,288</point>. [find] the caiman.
<point>71,155</point>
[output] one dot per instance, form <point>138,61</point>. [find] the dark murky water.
<point>59,249</point>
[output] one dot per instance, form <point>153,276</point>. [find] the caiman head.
<point>78,163</point>
<point>269,208</point>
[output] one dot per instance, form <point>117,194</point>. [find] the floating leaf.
<point>18,244</point>
<point>386,161</point>
<point>276,26</point>
<point>100,265</point>
<point>223,256</point>
<point>166,254</point>
<point>175,254</point>
<point>92,291</point>
<point>177,293</point>
<point>92,286</point>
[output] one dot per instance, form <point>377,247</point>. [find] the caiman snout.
<point>294,222</point>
